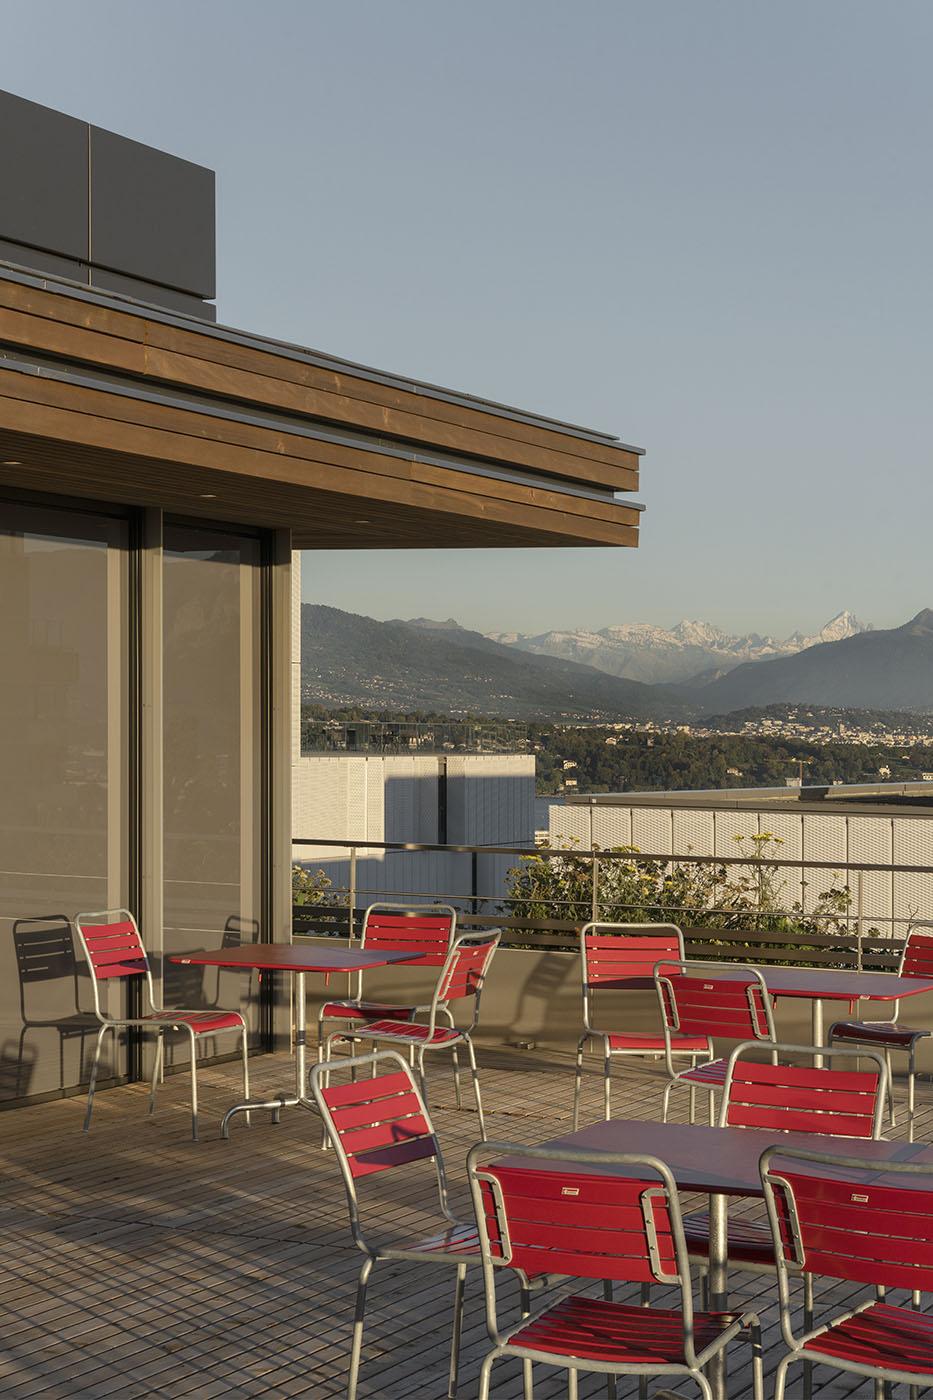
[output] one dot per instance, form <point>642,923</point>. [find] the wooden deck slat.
<point>134,1262</point>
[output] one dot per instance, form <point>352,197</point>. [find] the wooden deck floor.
<point>135,1263</point>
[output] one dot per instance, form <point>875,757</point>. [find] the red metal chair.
<point>380,1123</point>
<point>725,1001</point>
<point>844,1219</point>
<point>790,1098</point>
<point>462,978</point>
<point>616,1219</point>
<point>113,948</point>
<point>622,957</point>
<point>399,928</point>
<point>916,961</point>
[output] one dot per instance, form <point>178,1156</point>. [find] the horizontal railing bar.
<point>632,856</point>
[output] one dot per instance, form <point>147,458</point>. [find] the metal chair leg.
<point>156,1066</point>
<point>808,1324</point>
<point>610,1379</point>
<point>357,1344</point>
<point>711,1106</point>
<point>92,1083</point>
<point>476,1093</point>
<point>246,1072</point>
<point>578,1082</point>
<point>457,1092</point>
<point>891,1118</point>
<point>528,1382</point>
<point>194,1087</point>
<point>484,1375</point>
<point>457,1329</point>
<point>607,1083</point>
<point>573,1392</point>
<point>911,1094</point>
<point>665,1102</point>
<point>758,1367</point>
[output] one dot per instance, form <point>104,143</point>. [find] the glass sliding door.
<point>65,829</point>
<point>213,759</point>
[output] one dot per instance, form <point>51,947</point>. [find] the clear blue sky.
<point>707,227</point>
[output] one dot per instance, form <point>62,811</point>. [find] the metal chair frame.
<point>429,1149</point>
<point>788,1234</point>
<point>903,970</point>
<point>659,1189</point>
<point>446,989</point>
<point>760,1021</point>
<point>134,962</point>
<point>632,933</point>
<point>357,1001</point>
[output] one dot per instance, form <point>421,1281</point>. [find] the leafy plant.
<point>311,886</point>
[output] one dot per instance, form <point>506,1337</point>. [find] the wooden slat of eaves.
<point>226,445</point>
<point>61,325</point>
<point>67,450</point>
<point>317,519</point>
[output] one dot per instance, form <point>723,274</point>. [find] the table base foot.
<point>273,1106</point>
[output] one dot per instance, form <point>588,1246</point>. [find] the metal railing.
<point>844,937</point>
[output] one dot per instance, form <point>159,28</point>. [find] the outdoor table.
<point>720,1162</point>
<point>298,961</point>
<point>817,985</point>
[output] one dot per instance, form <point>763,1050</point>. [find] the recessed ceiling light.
<point>208,496</point>
<point>10,463</point>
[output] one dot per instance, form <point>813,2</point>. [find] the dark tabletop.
<point>835,984</point>
<point>716,1159</point>
<point>289,957</point>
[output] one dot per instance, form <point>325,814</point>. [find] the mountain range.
<point>689,652</point>
<point>425,665</point>
<point>347,659</point>
<point>889,669</point>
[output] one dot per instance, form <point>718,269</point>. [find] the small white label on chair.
<point>570,1190</point>
<point>862,1200</point>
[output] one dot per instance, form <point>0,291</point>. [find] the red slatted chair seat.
<point>459,1240</point>
<point>712,1073</point>
<point>413,1033</point>
<point>623,1040</point>
<point>618,1332</point>
<point>882,1033</point>
<point>365,1011</point>
<point>201,1022</point>
<point>882,1335</point>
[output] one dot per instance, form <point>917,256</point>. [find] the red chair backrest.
<point>396,932</point>
<point>627,960</point>
<point>584,1226</point>
<point>797,1099</point>
<point>918,955</point>
<point>733,1009</point>
<point>380,1123</point>
<point>114,949</point>
<point>463,976</point>
<point>848,1227</point>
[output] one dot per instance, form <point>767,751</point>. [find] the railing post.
<point>352,893</point>
<point>594,891</point>
<point>859,914</point>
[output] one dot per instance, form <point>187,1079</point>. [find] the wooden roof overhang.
<point>105,399</point>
